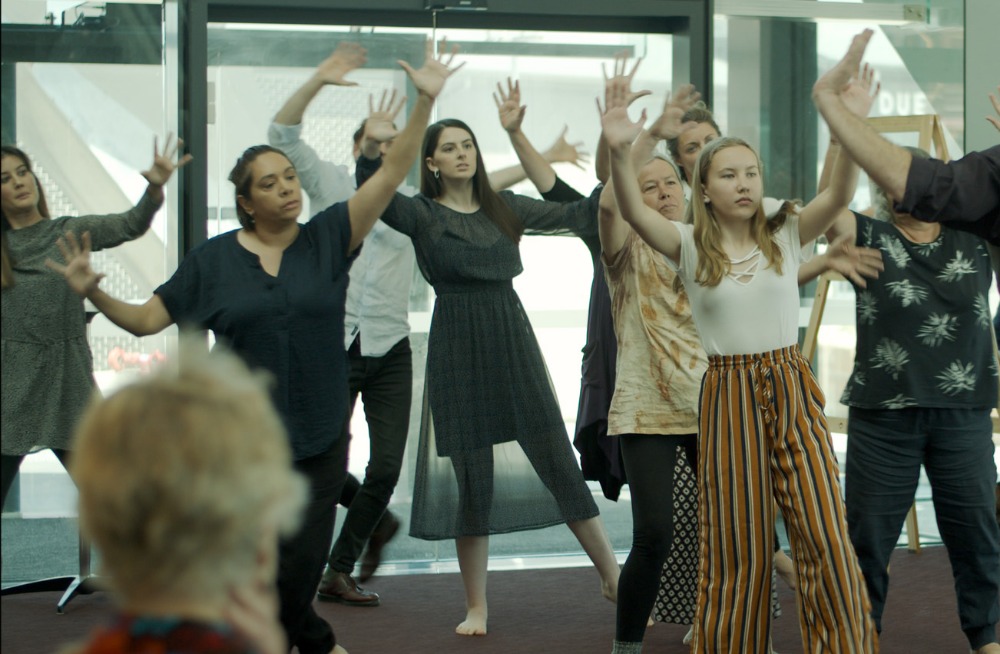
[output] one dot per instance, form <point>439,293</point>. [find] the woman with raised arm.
<point>494,455</point>
<point>274,291</point>
<point>47,367</point>
<point>762,432</point>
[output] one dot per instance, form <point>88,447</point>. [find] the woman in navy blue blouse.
<point>274,292</point>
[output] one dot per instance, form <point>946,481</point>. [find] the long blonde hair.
<point>713,262</point>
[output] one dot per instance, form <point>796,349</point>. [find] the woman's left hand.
<point>855,263</point>
<point>77,271</point>
<point>430,78</point>
<point>163,162</point>
<point>509,106</point>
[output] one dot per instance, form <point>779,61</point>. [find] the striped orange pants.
<point>764,438</point>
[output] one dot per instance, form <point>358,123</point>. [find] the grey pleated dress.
<point>46,361</point>
<point>494,456</point>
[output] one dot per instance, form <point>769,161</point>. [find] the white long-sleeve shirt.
<point>378,296</point>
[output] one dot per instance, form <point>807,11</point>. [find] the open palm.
<point>77,271</point>
<point>346,57</point>
<point>163,162</point>
<point>430,78</point>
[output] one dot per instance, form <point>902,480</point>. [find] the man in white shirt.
<point>376,329</point>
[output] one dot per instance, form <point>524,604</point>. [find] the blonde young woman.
<point>762,433</point>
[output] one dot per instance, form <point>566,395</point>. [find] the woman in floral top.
<point>923,384</point>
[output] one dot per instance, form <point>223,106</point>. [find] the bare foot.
<point>610,592</point>
<point>992,648</point>
<point>474,624</point>
<point>785,568</point>
<point>650,622</point>
<point>337,649</point>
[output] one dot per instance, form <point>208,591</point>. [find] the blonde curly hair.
<point>181,476</point>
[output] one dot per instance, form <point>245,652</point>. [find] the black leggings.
<point>649,465</point>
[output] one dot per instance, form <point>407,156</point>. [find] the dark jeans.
<point>649,466</point>
<point>884,451</point>
<point>300,562</point>
<point>386,386</point>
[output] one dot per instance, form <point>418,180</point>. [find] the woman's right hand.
<point>430,78</point>
<point>77,271</point>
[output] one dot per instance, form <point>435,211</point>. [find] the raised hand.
<point>619,85</point>
<point>346,57</point>
<point>996,107</point>
<point>833,81</point>
<point>854,262</point>
<point>430,78</point>
<point>858,95</point>
<point>163,162</point>
<point>77,271</point>
<point>563,151</point>
<point>618,128</point>
<point>509,106</point>
<point>668,125</point>
<point>379,126</point>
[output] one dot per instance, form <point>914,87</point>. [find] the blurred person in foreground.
<point>186,483</point>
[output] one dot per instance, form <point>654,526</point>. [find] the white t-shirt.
<point>752,315</point>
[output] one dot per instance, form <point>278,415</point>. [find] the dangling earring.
<point>437,174</point>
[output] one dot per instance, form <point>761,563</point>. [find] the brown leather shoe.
<point>384,532</point>
<point>341,587</point>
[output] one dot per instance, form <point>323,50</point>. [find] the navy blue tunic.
<point>291,325</point>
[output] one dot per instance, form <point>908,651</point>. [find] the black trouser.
<point>884,451</point>
<point>649,466</point>
<point>386,387</point>
<point>300,562</point>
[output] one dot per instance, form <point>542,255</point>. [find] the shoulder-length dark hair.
<point>489,200</point>
<point>6,258</point>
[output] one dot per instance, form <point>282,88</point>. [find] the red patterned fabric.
<point>138,635</point>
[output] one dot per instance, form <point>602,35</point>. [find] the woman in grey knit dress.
<point>47,367</point>
<point>494,456</point>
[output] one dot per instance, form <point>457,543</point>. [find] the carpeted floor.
<point>551,611</point>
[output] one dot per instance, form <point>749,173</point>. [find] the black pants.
<point>884,451</point>
<point>649,465</point>
<point>385,384</point>
<point>300,563</point>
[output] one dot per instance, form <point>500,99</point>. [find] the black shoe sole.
<point>337,599</point>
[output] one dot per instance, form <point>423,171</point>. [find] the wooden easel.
<point>929,131</point>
